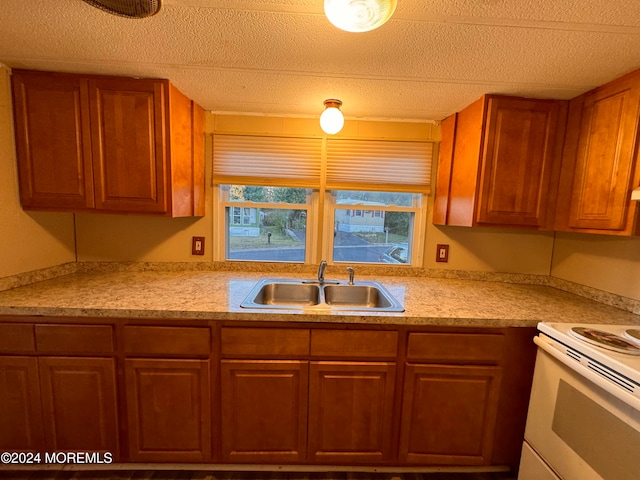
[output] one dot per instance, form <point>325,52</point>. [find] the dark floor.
<point>204,475</point>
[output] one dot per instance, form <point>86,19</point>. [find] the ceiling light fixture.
<point>332,120</point>
<point>359,15</point>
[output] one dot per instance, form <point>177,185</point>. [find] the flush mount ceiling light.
<point>332,120</point>
<point>359,15</point>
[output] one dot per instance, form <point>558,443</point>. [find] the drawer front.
<point>354,344</point>
<point>183,341</point>
<point>17,338</point>
<point>71,339</point>
<point>264,342</point>
<point>469,348</point>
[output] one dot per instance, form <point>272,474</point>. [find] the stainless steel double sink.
<point>275,293</point>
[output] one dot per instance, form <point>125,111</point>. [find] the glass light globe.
<point>331,120</point>
<point>359,15</point>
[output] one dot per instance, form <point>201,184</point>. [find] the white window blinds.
<point>379,164</point>
<point>266,160</point>
<point>383,165</point>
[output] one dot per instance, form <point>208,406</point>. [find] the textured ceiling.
<point>282,57</point>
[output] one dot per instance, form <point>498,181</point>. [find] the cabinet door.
<point>520,155</point>
<point>264,411</point>
<point>169,410</point>
<point>350,411</point>
<point>129,144</point>
<point>79,404</point>
<point>449,414</point>
<point>53,141</point>
<point>20,411</point>
<point>604,158</point>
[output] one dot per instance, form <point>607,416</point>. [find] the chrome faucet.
<point>321,269</point>
<point>352,273</point>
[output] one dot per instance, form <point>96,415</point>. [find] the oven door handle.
<point>580,369</point>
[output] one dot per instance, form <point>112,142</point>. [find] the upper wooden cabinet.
<point>598,167</point>
<point>109,144</point>
<point>498,163</point>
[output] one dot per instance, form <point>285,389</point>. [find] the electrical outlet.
<point>197,246</point>
<point>442,253</point>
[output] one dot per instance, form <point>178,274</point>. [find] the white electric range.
<point>584,413</point>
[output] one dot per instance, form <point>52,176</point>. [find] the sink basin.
<point>363,296</point>
<point>280,293</point>
<point>297,294</point>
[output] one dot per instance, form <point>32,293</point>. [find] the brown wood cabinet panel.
<point>599,164</point>
<point>167,341</point>
<point>113,144</point>
<point>264,411</point>
<point>79,404</point>
<point>351,412</point>
<point>445,164</point>
<point>449,414</point>
<point>169,410</point>
<point>20,409</point>
<point>52,140</point>
<point>17,338</point>
<point>456,348</point>
<point>520,155</point>
<point>363,344</point>
<point>501,164</point>
<point>74,339</point>
<point>264,342</point>
<point>128,142</point>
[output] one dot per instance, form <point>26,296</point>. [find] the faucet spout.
<point>352,273</point>
<point>321,269</point>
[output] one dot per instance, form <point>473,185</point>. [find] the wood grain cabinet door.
<point>53,140</point>
<point>129,144</point>
<point>604,155</point>
<point>79,404</point>
<point>264,411</point>
<point>350,411</point>
<point>449,414</point>
<point>20,410</point>
<point>521,152</point>
<point>169,410</point>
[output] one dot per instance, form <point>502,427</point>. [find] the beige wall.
<point>604,262</point>
<point>28,241</point>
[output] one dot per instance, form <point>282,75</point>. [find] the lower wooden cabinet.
<point>261,395</point>
<point>20,408</point>
<point>169,410</point>
<point>351,412</point>
<point>264,411</point>
<point>58,404</point>
<point>79,403</point>
<point>449,414</point>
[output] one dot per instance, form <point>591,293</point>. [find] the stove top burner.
<point>608,340</point>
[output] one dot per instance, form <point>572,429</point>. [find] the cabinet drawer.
<point>183,341</point>
<point>70,339</point>
<point>16,338</point>
<point>354,344</point>
<point>265,342</point>
<point>472,348</point>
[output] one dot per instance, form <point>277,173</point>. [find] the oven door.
<point>578,429</point>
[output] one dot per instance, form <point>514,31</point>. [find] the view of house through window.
<point>268,223</point>
<point>373,227</point>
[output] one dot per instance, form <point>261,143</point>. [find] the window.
<point>383,235</point>
<point>271,224</point>
<point>298,199</point>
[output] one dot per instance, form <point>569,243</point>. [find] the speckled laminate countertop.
<point>217,296</point>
